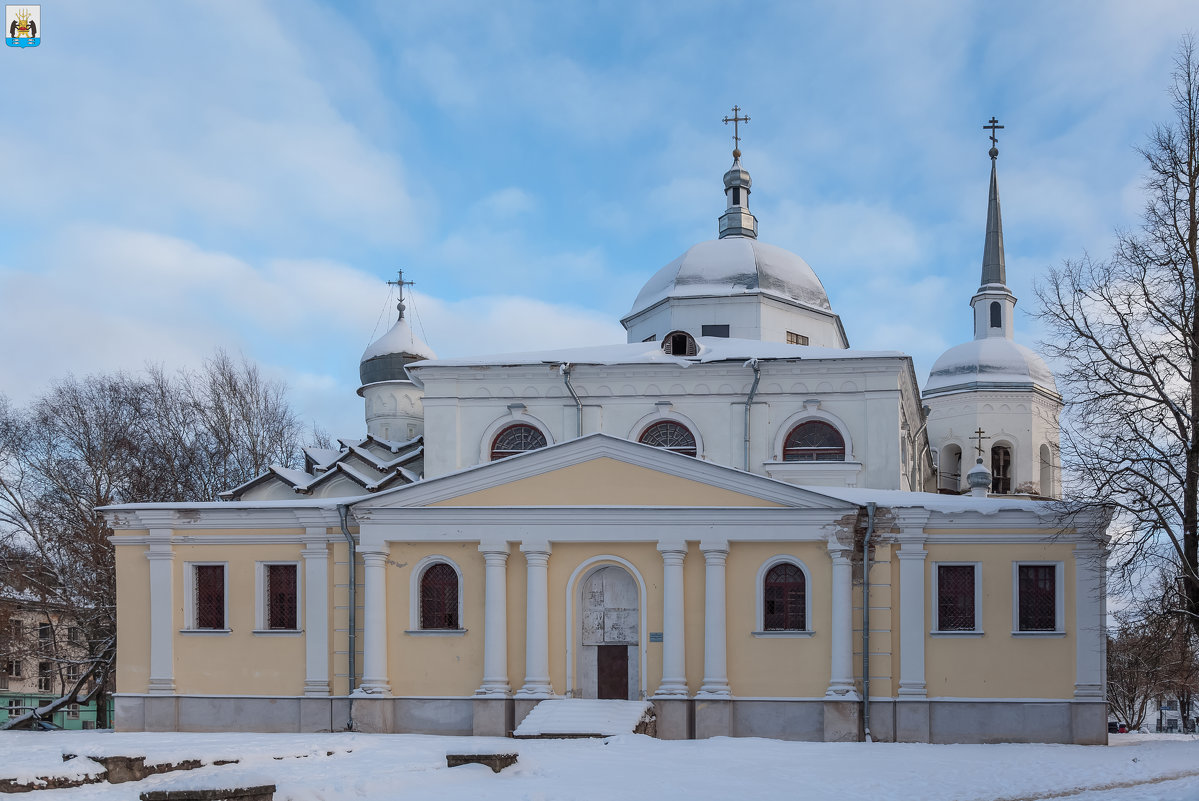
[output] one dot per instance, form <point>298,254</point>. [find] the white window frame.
<point>760,601</point>
<point>517,413</point>
<point>664,411</point>
<point>811,412</point>
<point>261,619</point>
<point>418,573</point>
<point>1059,598</point>
<point>45,679</point>
<point>189,594</point>
<point>72,712</point>
<point>977,631</point>
<point>14,663</point>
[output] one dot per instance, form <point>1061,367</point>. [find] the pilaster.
<point>674,652</point>
<point>841,683</point>
<point>316,611</point>
<point>374,629</point>
<point>162,613</point>
<point>716,677</point>
<point>537,626</point>
<point>495,622</point>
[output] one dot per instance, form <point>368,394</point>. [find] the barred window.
<point>439,597</point>
<point>814,441</point>
<point>784,599</point>
<point>208,588</point>
<point>281,601</point>
<point>1038,597</point>
<point>955,598</point>
<point>670,435</point>
<point>516,439</point>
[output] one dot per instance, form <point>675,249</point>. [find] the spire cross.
<point>401,283</point>
<point>735,119</point>
<point>993,126</point>
<point>979,435</point>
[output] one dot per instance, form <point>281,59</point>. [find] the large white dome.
<point>991,363</point>
<point>734,265</point>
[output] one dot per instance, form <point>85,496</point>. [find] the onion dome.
<point>735,265</point>
<point>387,356</point>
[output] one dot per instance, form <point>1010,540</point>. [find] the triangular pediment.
<point>601,470</point>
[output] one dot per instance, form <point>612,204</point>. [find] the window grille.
<point>210,596</point>
<point>439,597</point>
<point>783,599</point>
<point>1038,597</point>
<point>814,441</point>
<point>281,599</point>
<point>955,598</point>
<point>45,677</point>
<point>670,435</point>
<point>516,439</point>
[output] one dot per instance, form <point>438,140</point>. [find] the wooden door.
<point>613,671</point>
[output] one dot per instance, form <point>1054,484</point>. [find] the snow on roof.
<point>735,265</point>
<point>935,502</point>
<point>711,349</point>
<point>399,339</point>
<point>322,457</point>
<point>994,361</point>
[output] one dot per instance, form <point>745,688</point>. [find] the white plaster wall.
<point>462,405</point>
<point>1024,419</point>
<point>749,317</point>
<point>393,410</point>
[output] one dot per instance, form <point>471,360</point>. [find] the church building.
<point>734,516</point>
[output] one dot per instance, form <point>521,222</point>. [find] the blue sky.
<point>183,176</point>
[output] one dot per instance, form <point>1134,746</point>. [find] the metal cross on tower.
<point>979,435</point>
<point>993,126</point>
<point>735,119</point>
<point>401,283</point>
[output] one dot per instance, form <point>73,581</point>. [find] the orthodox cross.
<point>993,126</point>
<point>735,119</point>
<point>401,283</point>
<point>979,436</point>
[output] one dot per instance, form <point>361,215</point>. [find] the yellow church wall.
<point>133,618</point>
<point>998,664</point>
<point>775,666</point>
<point>564,560</point>
<point>434,664</point>
<point>240,662</point>
<point>605,482</point>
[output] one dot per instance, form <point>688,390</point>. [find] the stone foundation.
<point>815,719</point>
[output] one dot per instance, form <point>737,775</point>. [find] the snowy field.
<point>1134,768</point>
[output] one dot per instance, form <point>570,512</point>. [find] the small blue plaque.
<point>655,636</point>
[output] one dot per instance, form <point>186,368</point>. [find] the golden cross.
<point>979,436</point>
<point>993,126</point>
<point>736,132</point>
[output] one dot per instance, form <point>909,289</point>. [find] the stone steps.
<point>586,717</point>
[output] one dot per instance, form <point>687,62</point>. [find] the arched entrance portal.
<point>609,639</point>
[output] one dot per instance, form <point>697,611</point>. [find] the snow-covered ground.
<point>1134,768</point>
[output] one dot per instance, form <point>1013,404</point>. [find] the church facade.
<point>733,516</point>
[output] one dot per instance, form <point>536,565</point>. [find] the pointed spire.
<point>994,271</point>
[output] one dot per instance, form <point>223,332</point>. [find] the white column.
<point>841,637</point>
<point>162,613</point>
<point>716,676</point>
<point>316,612</point>
<point>674,652</point>
<point>1088,620</point>
<point>537,622</point>
<point>374,628</point>
<point>495,621</point>
<point>912,626</point>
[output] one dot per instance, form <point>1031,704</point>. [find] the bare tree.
<point>121,438</point>
<point>1135,672</point>
<point>1126,330</point>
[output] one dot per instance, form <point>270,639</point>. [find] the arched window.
<point>439,597</point>
<point>671,435</point>
<point>784,599</point>
<point>1001,470</point>
<point>996,315</point>
<point>814,441</point>
<point>679,343</point>
<point>516,439</point>
<point>1046,471</point>
<point>950,465</point>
